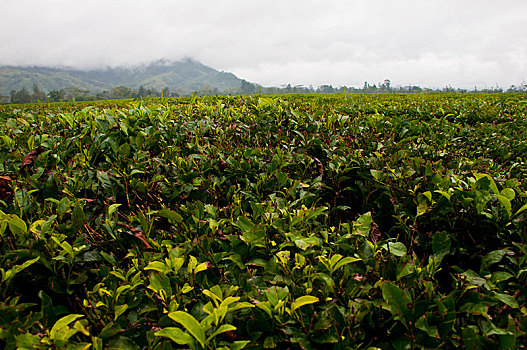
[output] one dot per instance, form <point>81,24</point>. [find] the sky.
<point>429,43</point>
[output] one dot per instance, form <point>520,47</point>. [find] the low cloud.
<point>276,42</point>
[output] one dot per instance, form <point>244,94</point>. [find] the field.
<point>289,222</point>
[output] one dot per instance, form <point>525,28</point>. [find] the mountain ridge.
<point>184,76</point>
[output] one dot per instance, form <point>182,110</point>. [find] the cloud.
<point>274,42</point>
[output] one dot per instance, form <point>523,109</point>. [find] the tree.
<point>121,92</point>
<point>142,92</point>
<point>386,85</point>
<point>247,88</point>
<point>37,94</point>
<point>22,96</point>
<point>56,95</point>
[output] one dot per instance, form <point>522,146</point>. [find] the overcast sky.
<point>432,43</point>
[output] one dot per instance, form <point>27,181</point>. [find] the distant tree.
<point>37,94</point>
<point>121,92</point>
<point>385,86</point>
<point>165,92</point>
<point>22,96</point>
<point>247,88</point>
<point>77,94</point>
<point>326,89</point>
<point>141,93</point>
<point>56,95</point>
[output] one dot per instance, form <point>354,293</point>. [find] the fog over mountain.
<point>183,76</point>
<point>464,44</point>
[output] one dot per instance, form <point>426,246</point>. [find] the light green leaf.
<point>506,299</point>
<point>221,329</point>
<point>444,194</point>
<point>113,208</point>
<point>265,306</point>
<point>506,203</point>
<point>508,193</point>
<point>363,224</point>
<point>17,225</point>
<point>239,344</point>
<point>176,335</point>
<point>345,261</point>
<point>305,242</point>
<point>395,248</point>
<point>524,207</point>
<point>303,300</point>
<point>60,328</point>
<point>157,266</point>
<point>191,325</point>
<point>201,267</point>
<point>18,268</point>
<point>170,214</point>
<point>240,305</point>
<point>119,311</point>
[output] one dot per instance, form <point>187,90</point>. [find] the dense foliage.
<point>391,221</point>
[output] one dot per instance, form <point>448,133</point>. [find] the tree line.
<point>122,92</point>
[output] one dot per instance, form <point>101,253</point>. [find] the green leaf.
<point>47,310</point>
<point>523,207</point>
<point>60,329</point>
<point>190,324</point>
<point>119,310</point>
<point>17,225</point>
<point>123,343</point>
<point>440,246</point>
<point>506,203</point>
<point>176,335</point>
<point>345,261</point>
<point>444,194</point>
<point>493,257</point>
<point>18,268</point>
<point>506,299</point>
<point>399,301</point>
<point>27,341</point>
<point>110,330</point>
<point>221,329</point>
<point>492,184</point>
<point>200,267</point>
<point>239,344</point>
<point>265,306</point>
<point>329,281</point>
<point>244,224</point>
<point>305,242</point>
<point>170,214</point>
<point>157,266</point>
<point>508,193</point>
<point>303,300</point>
<point>363,224</point>
<point>160,283</point>
<point>396,248</point>
<point>422,324</point>
<point>251,233</point>
<point>377,175</point>
<point>113,208</point>
<point>77,216</point>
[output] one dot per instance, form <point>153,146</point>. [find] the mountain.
<point>184,76</point>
